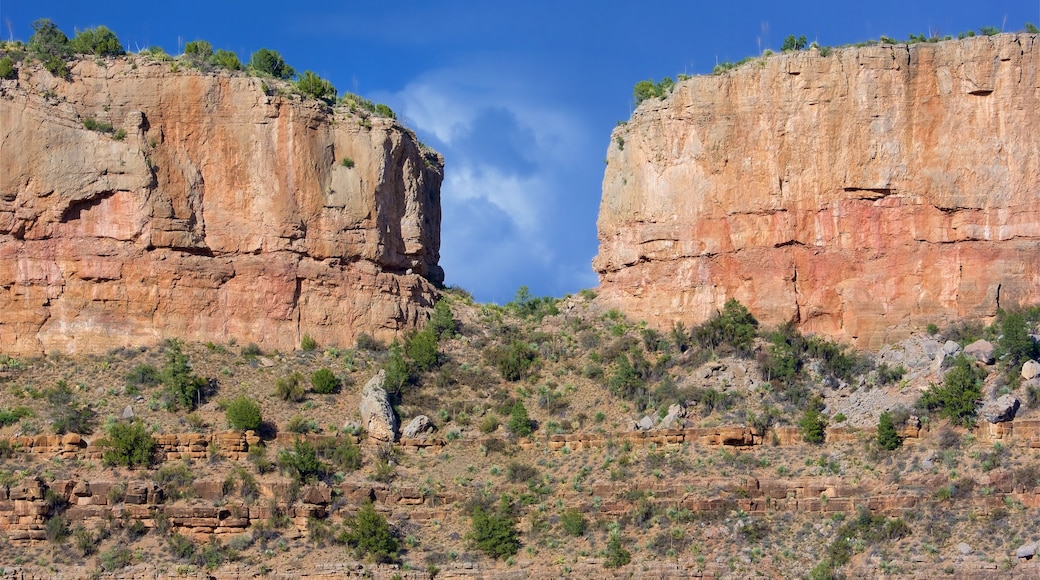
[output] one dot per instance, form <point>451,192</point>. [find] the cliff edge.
<point>861,195</point>
<point>210,207</point>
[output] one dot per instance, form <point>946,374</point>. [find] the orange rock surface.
<point>862,195</point>
<point>217,208</point>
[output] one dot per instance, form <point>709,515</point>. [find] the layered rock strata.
<point>862,195</point>
<point>215,207</point>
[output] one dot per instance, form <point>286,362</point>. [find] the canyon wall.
<point>862,195</point>
<point>218,206</point>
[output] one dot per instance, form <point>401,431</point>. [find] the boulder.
<point>674,417</point>
<point>981,350</point>
<point>951,348</point>
<point>646,423</point>
<point>128,412</point>
<point>1000,410</point>
<point>1026,550</point>
<point>964,549</point>
<point>417,427</point>
<point>377,416</point>
<point>1030,370</point>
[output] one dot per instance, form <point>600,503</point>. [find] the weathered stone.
<point>228,215</point>
<point>1030,369</point>
<point>801,187</point>
<point>981,350</point>
<point>1001,409</point>
<point>377,416</point>
<point>128,412</point>
<point>646,423</point>
<point>964,549</point>
<point>951,348</point>
<point>416,427</point>
<point>1026,550</point>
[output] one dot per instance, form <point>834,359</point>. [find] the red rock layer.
<point>862,195</point>
<point>218,208</point>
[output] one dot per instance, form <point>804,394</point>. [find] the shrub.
<point>1031,28</point>
<point>397,372</point>
<point>734,326</point>
<point>626,382</point>
<point>307,343</point>
<point>342,453</point>
<point>371,534</point>
<point>792,43</point>
<point>198,51</point>
<point>12,416</point>
<point>98,41</point>
<point>422,349</point>
<point>616,554</point>
<point>514,361</point>
<point>519,422</point>
<point>573,522</point>
<point>887,375</point>
<point>1015,346</point>
<point>225,59</point>
<point>494,533</point>
<point>887,436</point>
<point>243,414</point>
<point>176,480</point>
<point>989,30</point>
<point>182,387</point>
<point>301,462</point>
<point>92,124</point>
<point>290,387</point>
<point>533,307</point>
<point>365,341</point>
<point>347,162</point>
<point>7,70</point>
<point>251,350</point>
<point>442,320</point>
<point>67,415</point>
<point>269,62</point>
<point>813,424</point>
<point>312,85</point>
<point>324,382</point>
<point>644,90</point>
<point>48,43</point>
<point>128,444</point>
<point>957,397</point>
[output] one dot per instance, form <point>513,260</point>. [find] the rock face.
<point>862,195</point>
<point>377,416</point>
<point>218,208</point>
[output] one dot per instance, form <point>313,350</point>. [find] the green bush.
<point>531,307</point>
<point>887,436</point>
<point>181,386</point>
<point>243,414</point>
<point>616,554</point>
<point>1031,28</point>
<point>519,422</point>
<point>128,444</point>
<point>813,423</point>
<point>198,51</point>
<point>307,343</point>
<point>369,533</point>
<point>494,533</point>
<point>324,382</point>
<point>442,320</point>
<point>989,30</point>
<point>397,372</point>
<point>269,62</point>
<point>573,522</point>
<point>959,394</point>
<point>649,89</point>
<point>342,453</point>
<point>290,387</point>
<point>313,85</point>
<point>301,462</point>
<point>92,124</point>
<point>225,59</point>
<point>1015,346</point>
<point>14,415</point>
<point>7,70</point>
<point>422,349</point>
<point>67,415</point>
<point>98,41</point>
<point>734,326</point>
<point>792,43</point>
<point>347,162</point>
<point>48,42</point>
<point>514,361</point>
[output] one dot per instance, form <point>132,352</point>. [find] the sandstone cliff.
<point>226,211</point>
<point>862,195</point>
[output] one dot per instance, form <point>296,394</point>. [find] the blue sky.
<point>520,97</point>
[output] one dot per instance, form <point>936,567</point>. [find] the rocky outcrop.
<point>862,194</point>
<point>377,416</point>
<point>217,207</point>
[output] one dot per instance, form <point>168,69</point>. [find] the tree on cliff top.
<point>269,62</point>
<point>98,41</point>
<point>50,45</point>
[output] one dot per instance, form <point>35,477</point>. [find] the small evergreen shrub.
<point>7,70</point>
<point>887,436</point>
<point>290,387</point>
<point>98,41</point>
<point>128,444</point>
<point>442,320</point>
<point>959,394</point>
<point>573,522</point>
<point>269,62</point>
<point>347,162</point>
<point>313,85</point>
<point>813,423</point>
<point>494,533</point>
<point>422,349</point>
<point>324,382</point>
<point>370,534</point>
<point>397,372</point>
<point>67,414</point>
<point>519,422</point>
<point>181,386</point>
<point>616,554</point>
<point>307,343</point>
<point>301,462</point>
<point>243,414</point>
